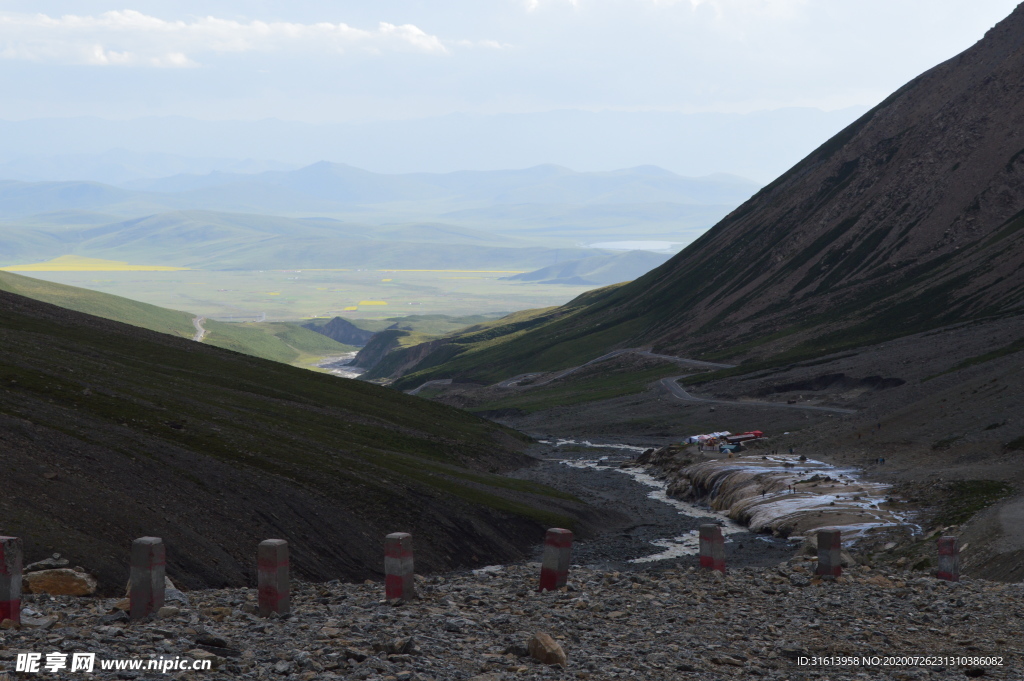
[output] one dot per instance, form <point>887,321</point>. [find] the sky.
<point>329,61</point>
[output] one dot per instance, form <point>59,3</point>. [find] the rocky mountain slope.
<point>909,219</point>
<point>342,331</point>
<point>110,432</point>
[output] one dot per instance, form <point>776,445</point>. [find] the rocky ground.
<point>664,624</point>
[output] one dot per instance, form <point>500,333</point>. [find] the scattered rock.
<point>545,649</point>
<point>674,624</point>
<point>797,579</point>
<point>458,624</point>
<point>401,646</point>
<point>37,622</point>
<point>354,654</point>
<point>120,616</point>
<point>200,654</point>
<point>176,596</point>
<point>517,649</point>
<point>46,564</point>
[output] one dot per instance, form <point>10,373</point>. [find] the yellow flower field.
<point>74,263</point>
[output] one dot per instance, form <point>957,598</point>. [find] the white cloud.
<point>131,38</point>
<point>534,4</point>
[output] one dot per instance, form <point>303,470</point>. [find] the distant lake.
<point>637,245</point>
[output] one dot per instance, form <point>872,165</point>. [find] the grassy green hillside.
<point>492,351</point>
<point>113,432</point>
<point>604,382</point>
<point>218,240</point>
<point>281,342</point>
<point>104,305</point>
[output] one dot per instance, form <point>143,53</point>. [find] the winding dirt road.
<point>421,386</point>
<point>515,380</point>
<point>200,331</point>
<point>677,391</point>
<point>669,383</point>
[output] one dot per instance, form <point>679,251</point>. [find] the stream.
<point>340,365</point>
<point>657,530</point>
<point>652,529</point>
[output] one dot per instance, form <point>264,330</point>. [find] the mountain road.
<point>677,391</point>
<point>200,331</point>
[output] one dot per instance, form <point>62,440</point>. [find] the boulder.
<point>37,622</point>
<point>546,650</point>
<point>60,582</point>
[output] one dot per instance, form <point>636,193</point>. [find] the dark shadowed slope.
<point>110,432</point>
<point>910,218</point>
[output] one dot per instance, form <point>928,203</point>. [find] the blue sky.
<point>359,60</point>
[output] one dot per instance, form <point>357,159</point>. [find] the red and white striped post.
<point>272,577</point>
<point>398,567</point>
<point>712,548</point>
<point>10,579</point>
<point>554,569</point>
<point>830,563</point>
<point>949,559</point>
<point>146,594</point>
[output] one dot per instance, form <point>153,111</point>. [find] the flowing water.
<point>685,544</point>
<point>340,365</point>
<point>775,497</point>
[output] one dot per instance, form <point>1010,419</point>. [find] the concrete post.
<point>398,567</point>
<point>272,577</point>
<point>949,559</point>
<point>10,579</point>
<point>554,570</point>
<point>829,561</point>
<point>146,594</point>
<point>712,548</point>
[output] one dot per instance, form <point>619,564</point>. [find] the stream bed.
<point>341,365</point>
<point>649,528</point>
<point>653,530</point>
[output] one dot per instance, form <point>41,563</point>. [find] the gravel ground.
<point>658,624</point>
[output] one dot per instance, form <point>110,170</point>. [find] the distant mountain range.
<point>117,166</point>
<point>325,188</point>
<point>759,145</point>
<point>232,220</point>
<point>346,185</point>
